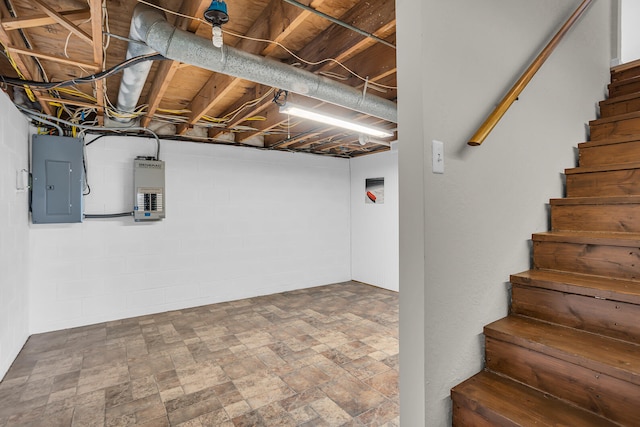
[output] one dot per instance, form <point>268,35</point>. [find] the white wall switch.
<point>437,153</point>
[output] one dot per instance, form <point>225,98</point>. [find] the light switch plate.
<point>437,156</point>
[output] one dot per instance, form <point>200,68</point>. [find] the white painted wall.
<point>240,223</point>
<point>464,232</point>
<point>630,13</point>
<point>14,237</point>
<point>374,227</point>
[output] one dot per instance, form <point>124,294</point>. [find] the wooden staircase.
<point>568,354</point>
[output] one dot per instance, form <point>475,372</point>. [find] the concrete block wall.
<point>240,223</point>
<point>14,237</point>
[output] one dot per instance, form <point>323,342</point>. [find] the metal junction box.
<point>56,194</point>
<point>148,181</point>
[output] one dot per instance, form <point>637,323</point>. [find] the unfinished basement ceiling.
<point>60,40</point>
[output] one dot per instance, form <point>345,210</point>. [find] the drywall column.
<point>374,225</point>
<point>411,78</point>
<point>478,217</point>
<point>14,244</point>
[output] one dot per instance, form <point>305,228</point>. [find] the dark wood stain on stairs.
<point>568,353</point>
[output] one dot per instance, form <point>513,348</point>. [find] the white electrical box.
<point>148,181</point>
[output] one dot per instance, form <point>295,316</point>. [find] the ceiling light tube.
<point>295,110</point>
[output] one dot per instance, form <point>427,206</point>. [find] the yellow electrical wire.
<point>28,90</point>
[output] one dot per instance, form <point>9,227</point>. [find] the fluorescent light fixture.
<point>295,110</point>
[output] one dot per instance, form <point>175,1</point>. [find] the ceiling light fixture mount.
<point>305,113</point>
<point>217,15</point>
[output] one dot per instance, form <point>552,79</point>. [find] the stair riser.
<point>599,184</point>
<point>613,218</point>
<point>600,260</point>
<point>624,87</point>
<point>612,108</point>
<point>624,152</point>
<point>618,76</point>
<point>604,317</point>
<point>617,129</point>
<point>612,398</point>
<point>466,417</point>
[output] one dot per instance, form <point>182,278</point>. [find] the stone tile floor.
<point>326,356</point>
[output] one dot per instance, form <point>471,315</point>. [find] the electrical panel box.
<point>57,185</point>
<point>148,181</point>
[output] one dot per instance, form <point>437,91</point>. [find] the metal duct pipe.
<point>186,47</point>
<point>133,78</point>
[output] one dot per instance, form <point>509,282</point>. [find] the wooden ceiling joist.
<point>206,98</point>
<point>256,110</point>
<point>44,19</point>
<point>66,23</point>
<point>68,102</point>
<point>27,68</point>
<point>167,69</point>
<point>360,16</point>
<point>55,58</point>
<point>36,32</point>
<point>98,54</point>
<point>165,73</point>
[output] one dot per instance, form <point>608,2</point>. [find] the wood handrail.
<point>493,118</point>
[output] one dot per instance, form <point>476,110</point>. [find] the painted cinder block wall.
<point>14,234</point>
<point>239,223</point>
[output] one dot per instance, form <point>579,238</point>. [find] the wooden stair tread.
<point>626,66</point>
<point>582,284</point>
<point>508,403</point>
<point>600,200</point>
<point>616,118</point>
<point>590,237</point>
<point>602,168</point>
<point>616,358</point>
<point>609,141</point>
<point>620,98</point>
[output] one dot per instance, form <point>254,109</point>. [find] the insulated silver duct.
<point>133,78</point>
<point>178,45</point>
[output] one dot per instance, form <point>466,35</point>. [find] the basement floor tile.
<point>324,356</point>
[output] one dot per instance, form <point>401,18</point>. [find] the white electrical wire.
<point>289,51</point>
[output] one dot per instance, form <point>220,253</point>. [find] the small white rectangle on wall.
<point>437,152</point>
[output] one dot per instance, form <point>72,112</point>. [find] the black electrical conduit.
<point>341,23</point>
<point>113,215</point>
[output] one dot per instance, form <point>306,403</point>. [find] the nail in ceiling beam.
<point>60,19</point>
<point>28,69</point>
<point>167,69</point>
<point>98,53</point>
<point>42,20</point>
